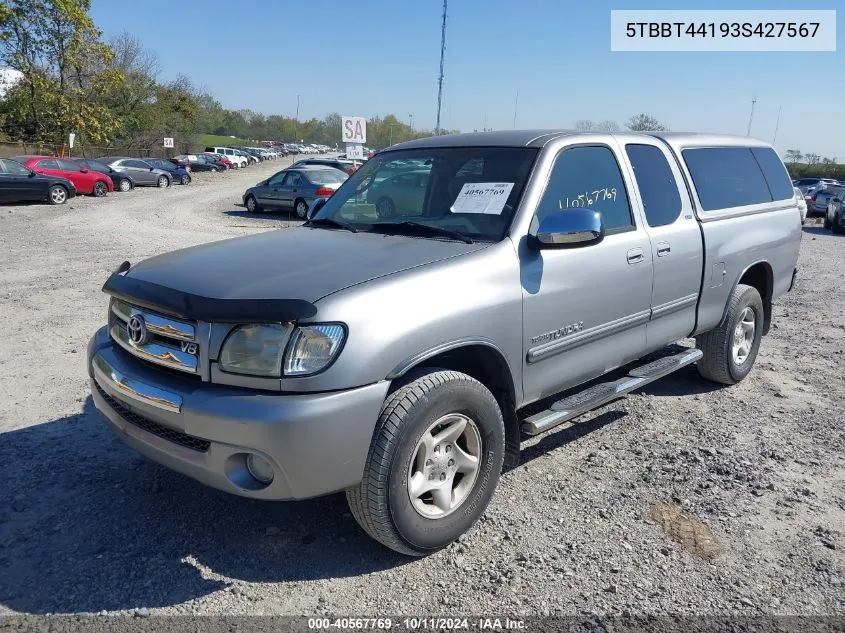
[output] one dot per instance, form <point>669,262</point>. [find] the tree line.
<point>812,165</point>
<point>109,92</point>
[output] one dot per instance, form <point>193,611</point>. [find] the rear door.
<point>585,309</point>
<point>140,171</point>
<point>289,190</point>
<point>84,181</point>
<point>677,251</point>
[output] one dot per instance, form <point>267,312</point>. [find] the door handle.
<point>663,248</point>
<point>635,255</point>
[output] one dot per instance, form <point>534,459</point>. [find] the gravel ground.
<point>683,498</point>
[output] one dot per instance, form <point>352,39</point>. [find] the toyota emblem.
<point>137,329</point>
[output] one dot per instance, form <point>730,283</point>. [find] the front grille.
<point>164,432</point>
<point>161,340</point>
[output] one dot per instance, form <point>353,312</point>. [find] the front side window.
<point>656,183</point>
<point>68,166</point>
<point>470,192</point>
<point>726,177</point>
<point>588,177</point>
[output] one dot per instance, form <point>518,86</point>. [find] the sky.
<point>545,63</point>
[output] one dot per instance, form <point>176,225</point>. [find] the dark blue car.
<point>179,174</point>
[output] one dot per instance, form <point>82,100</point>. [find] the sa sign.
<point>168,142</point>
<point>354,129</point>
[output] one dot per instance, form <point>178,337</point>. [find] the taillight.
<point>813,198</point>
<point>324,192</point>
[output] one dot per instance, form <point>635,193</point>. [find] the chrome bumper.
<point>317,443</point>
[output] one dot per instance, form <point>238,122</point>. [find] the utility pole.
<point>777,124</point>
<point>411,122</point>
<point>440,79</point>
<point>751,116</point>
<point>296,121</point>
<point>515,102</point>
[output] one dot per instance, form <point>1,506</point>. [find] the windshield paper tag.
<point>482,197</point>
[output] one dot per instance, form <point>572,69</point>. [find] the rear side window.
<point>48,164</point>
<point>726,177</point>
<point>657,185</point>
<point>588,177</point>
<point>774,172</point>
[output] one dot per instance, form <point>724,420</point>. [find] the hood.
<point>300,263</point>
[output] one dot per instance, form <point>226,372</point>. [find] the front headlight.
<point>255,350</point>
<point>312,348</point>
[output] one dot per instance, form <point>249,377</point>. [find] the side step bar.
<point>593,397</point>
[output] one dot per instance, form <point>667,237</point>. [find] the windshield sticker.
<point>482,197</point>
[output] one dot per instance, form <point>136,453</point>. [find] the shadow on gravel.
<point>88,525</point>
<point>817,230</point>
<point>287,216</point>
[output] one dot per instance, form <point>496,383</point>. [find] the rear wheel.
<point>835,226</point>
<point>57,194</point>
<point>100,189</point>
<point>433,464</point>
<point>301,208</point>
<point>185,179</point>
<point>827,223</point>
<point>163,181</point>
<point>730,349</point>
<point>125,185</point>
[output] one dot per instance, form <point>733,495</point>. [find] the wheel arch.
<point>481,359</point>
<point>760,276</point>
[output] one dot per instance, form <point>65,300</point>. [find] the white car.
<point>237,159</point>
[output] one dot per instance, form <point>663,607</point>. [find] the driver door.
<point>585,309</point>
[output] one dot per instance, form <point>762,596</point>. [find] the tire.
<point>57,195</point>
<point>723,360</point>
<point>385,208</point>
<point>163,182</point>
<point>100,190</point>
<point>301,208</point>
<point>382,503</point>
<point>835,227</point>
<point>125,185</point>
<point>827,223</point>
<point>185,179</point>
<point>251,204</point>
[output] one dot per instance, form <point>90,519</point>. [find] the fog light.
<point>259,468</point>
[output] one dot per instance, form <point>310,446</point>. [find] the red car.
<point>86,181</point>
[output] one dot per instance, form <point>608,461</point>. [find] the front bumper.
<point>316,443</point>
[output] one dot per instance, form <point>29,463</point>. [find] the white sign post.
<point>168,141</point>
<point>70,138</point>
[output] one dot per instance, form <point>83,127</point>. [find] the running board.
<point>593,397</point>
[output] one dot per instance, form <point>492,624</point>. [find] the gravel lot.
<point>684,498</point>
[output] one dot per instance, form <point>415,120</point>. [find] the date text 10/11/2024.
<point>418,623</point>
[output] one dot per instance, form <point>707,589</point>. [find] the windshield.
<point>471,191</point>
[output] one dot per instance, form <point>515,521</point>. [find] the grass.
<point>216,140</point>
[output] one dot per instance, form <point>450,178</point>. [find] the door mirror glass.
<point>569,229</point>
<point>319,203</point>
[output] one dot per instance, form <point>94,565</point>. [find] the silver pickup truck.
<point>455,295</point>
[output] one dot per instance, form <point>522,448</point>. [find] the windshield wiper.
<point>340,224</point>
<point>418,227</point>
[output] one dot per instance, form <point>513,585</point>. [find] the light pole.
<point>411,122</point>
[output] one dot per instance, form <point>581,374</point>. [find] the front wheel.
<point>433,464</point>
<point>57,194</point>
<point>252,204</point>
<point>731,348</point>
<point>185,179</point>
<point>163,182</point>
<point>100,189</point>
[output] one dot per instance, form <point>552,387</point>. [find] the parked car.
<point>818,199</point>
<point>251,160</point>
<point>221,159</point>
<point>294,189</point>
<point>19,183</point>
<point>811,185</point>
<point>403,362</point>
<point>177,173</point>
<point>834,219</point>
<point>802,204</point>
<point>198,162</point>
<point>120,182</point>
<point>141,172</point>
<point>401,194</point>
<point>348,166</point>
<point>231,154</point>
<point>86,182</point>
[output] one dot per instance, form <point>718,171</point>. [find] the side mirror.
<point>152,168</point>
<point>568,229</point>
<point>319,203</point>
